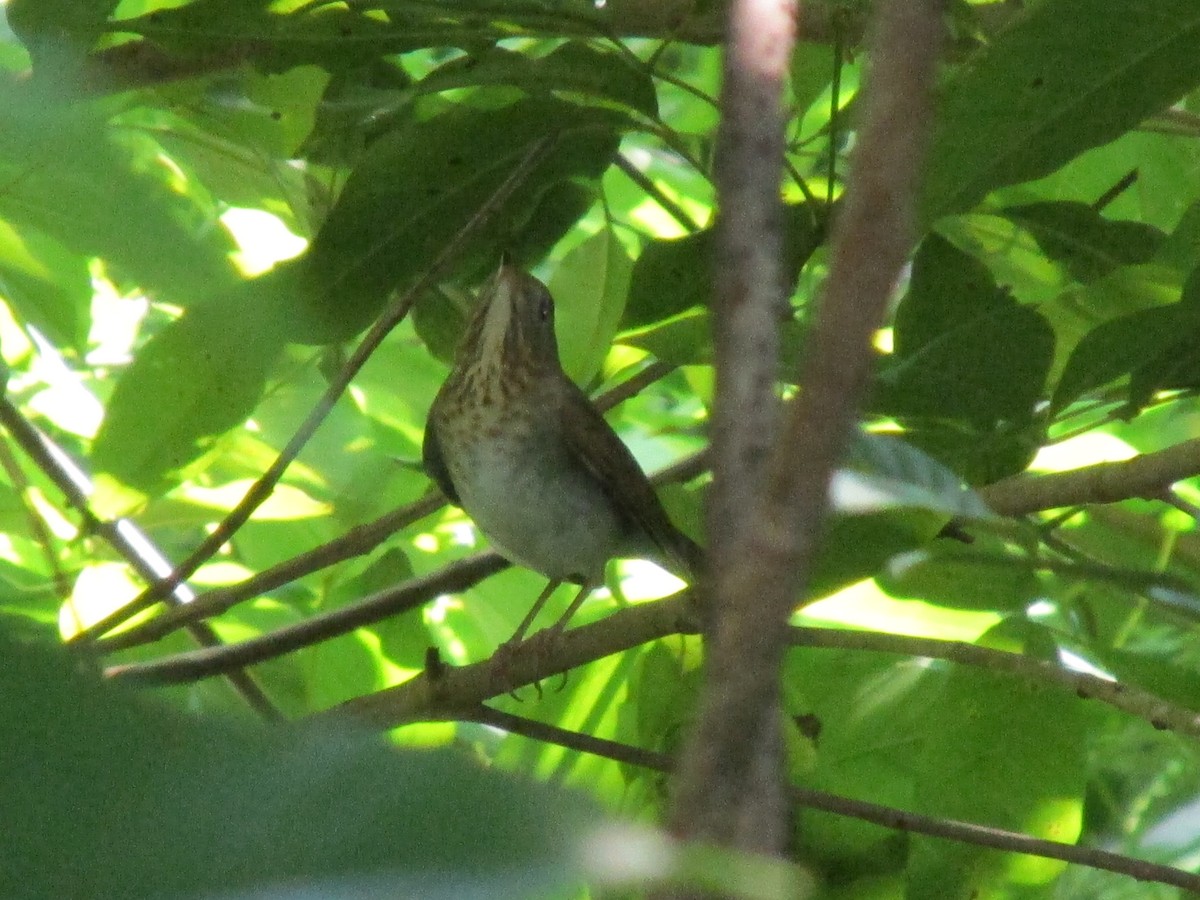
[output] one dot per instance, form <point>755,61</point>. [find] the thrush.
<point>514,441</point>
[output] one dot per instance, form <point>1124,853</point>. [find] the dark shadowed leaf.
<point>964,349</point>
<point>417,187</point>
<point>103,797</point>
<point>51,28</point>
<point>1157,347</point>
<point>573,69</point>
<point>1084,242</point>
<point>673,276</point>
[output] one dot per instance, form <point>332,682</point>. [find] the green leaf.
<point>1115,349</point>
<point>103,797</point>
<point>961,577</point>
<point>990,367</point>
<point>859,546</point>
<point>589,288</point>
<point>670,277</point>
<point>890,499</point>
<point>574,68</point>
<point>198,377</point>
<point>673,276</point>
<point>1064,78</point>
<point>402,639</point>
<point>1181,249</point>
<point>1156,669</point>
<point>979,452</point>
<point>865,709</point>
<point>685,339</point>
<point>335,38</point>
<point>664,694</point>
<point>417,187</point>
<point>1156,347</point>
<point>1088,245</point>
<point>964,349</point>
<point>812,71</point>
<point>48,28</point>
<point>1005,753</point>
<point>883,472</point>
<point>269,113</point>
<point>46,285</point>
<point>67,175</point>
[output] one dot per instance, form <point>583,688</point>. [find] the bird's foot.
<point>541,647</point>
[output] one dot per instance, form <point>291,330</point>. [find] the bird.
<point>515,443</point>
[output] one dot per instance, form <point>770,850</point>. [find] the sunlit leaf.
<point>589,288</point>
<point>67,175</point>
<point>1008,754</point>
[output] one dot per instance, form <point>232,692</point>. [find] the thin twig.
<point>633,386</point>
<point>356,542</point>
<point>1130,699</point>
<point>49,458</point>
<point>37,525</point>
<point>411,594</point>
<point>673,209</point>
<point>562,737</point>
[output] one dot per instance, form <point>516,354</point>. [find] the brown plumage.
<point>514,442</point>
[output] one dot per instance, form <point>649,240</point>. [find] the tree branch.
<point>741,803</point>
<point>358,541</point>
<point>1160,713</point>
<point>198,664</point>
<point>451,691</point>
<point>888,817</point>
<point>733,759</point>
<point>1146,476</point>
<point>143,63</point>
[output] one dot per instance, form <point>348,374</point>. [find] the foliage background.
<point>202,203</point>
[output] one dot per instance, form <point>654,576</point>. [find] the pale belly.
<point>562,526</point>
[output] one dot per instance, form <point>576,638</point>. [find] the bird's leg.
<point>502,658</point>
<point>523,628</point>
<point>552,633</point>
<point>544,639</point>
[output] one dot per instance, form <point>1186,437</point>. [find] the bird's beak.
<point>498,301</point>
<point>505,283</point>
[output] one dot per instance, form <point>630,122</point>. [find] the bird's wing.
<point>435,463</point>
<point>611,463</point>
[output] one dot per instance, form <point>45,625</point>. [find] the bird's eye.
<point>545,308</point>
